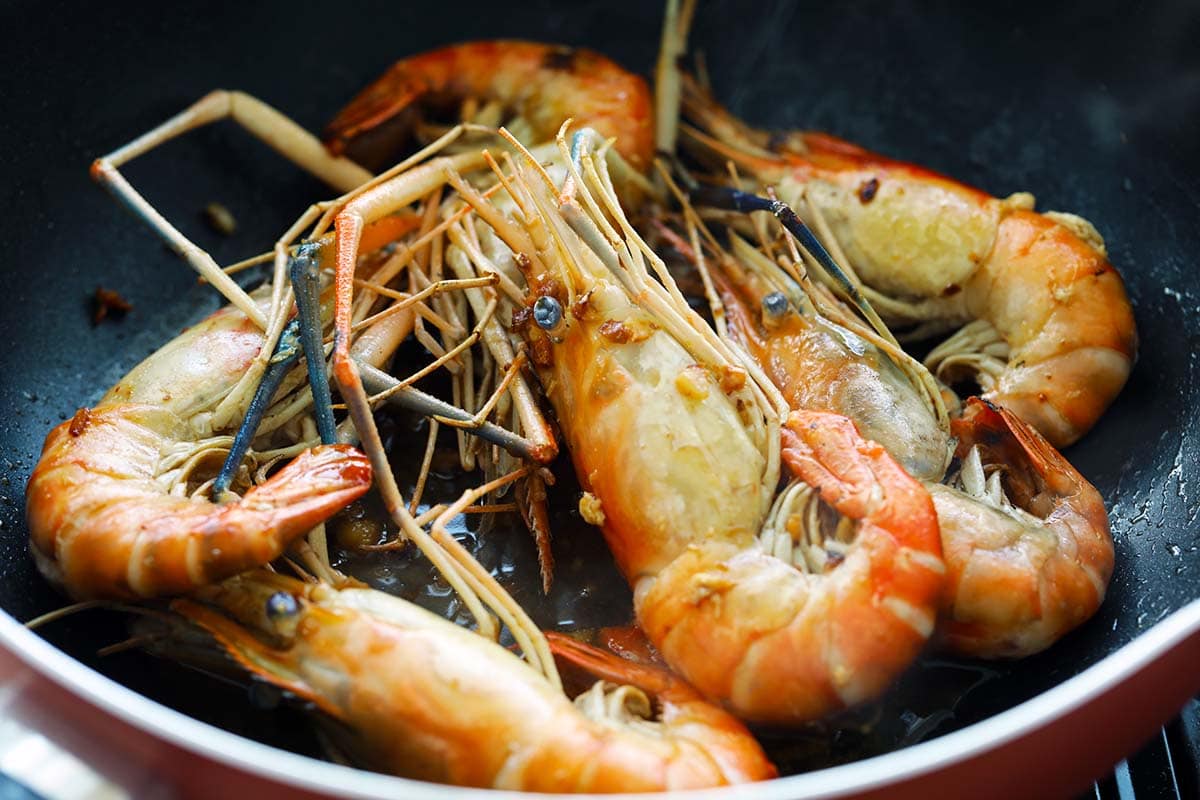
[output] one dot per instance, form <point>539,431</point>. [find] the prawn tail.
<point>1037,475</point>
<point>584,663</point>
<point>858,478</point>
<point>314,485</point>
<point>376,113</point>
<point>1003,437</point>
<point>898,524</point>
<point>256,530</point>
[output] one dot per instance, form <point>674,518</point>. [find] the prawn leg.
<point>265,123</point>
<point>373,202</point>
<point>681,705</point>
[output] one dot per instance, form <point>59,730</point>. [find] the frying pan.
<point>1092,106</point>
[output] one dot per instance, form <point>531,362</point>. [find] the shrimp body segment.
<point>193,373</point>
<point>1048,329</point>
<point>104,520</point>
<point>430,700</point>
<point>542,84</point>
<point>1064,315</point>
<point>644,423</point>
<point>1021,572</point>
<point>782,645</point>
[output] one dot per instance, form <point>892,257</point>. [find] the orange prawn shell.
<point>547,84</point>
<point>768,639</point>
<point>434,701</point>
<point>102,525</point>
<point>1011,593</point>
<point>953,253</point>
<point>1061,393</point>
<point>615,382</point>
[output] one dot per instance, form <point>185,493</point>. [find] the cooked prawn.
<point>1019,576</point>
<point>678,447</point>
<point>425,698</point>
<point>105,504</point>
<point>1049,331</point>
<point>1026,540</point>
<point>541,84</point>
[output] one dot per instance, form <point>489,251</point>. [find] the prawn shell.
<point>1070,355</point>
<point>777,646</point>
<point>1014,588</point>
<point>425,698</point>
<point>545,84</point>
<point>941,253</point>
<point>670,466</point>
<point>104,525</point>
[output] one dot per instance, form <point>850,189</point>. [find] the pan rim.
<point>303,772</point>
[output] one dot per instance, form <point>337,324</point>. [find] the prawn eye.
<point>774,306</point>
<point>281,606</point>
<point>547,313</point>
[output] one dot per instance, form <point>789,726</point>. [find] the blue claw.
<point>284,358</point>
<point>306,282</point>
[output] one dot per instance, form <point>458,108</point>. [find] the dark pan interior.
<point>1094,107</point>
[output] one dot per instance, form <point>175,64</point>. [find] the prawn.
<point>1047,328</point>
<point>677,445</point>
<point>106,507</point>
<point>425,698</point>
<point>1021,572</point>
<point>99,479</point>
<point>541,84</point>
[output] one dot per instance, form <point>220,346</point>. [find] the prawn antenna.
<point>65,611</point>
<point>736,200</point>
<point>287,352</point>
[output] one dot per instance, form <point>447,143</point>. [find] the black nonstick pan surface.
<point>1093,107</point>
